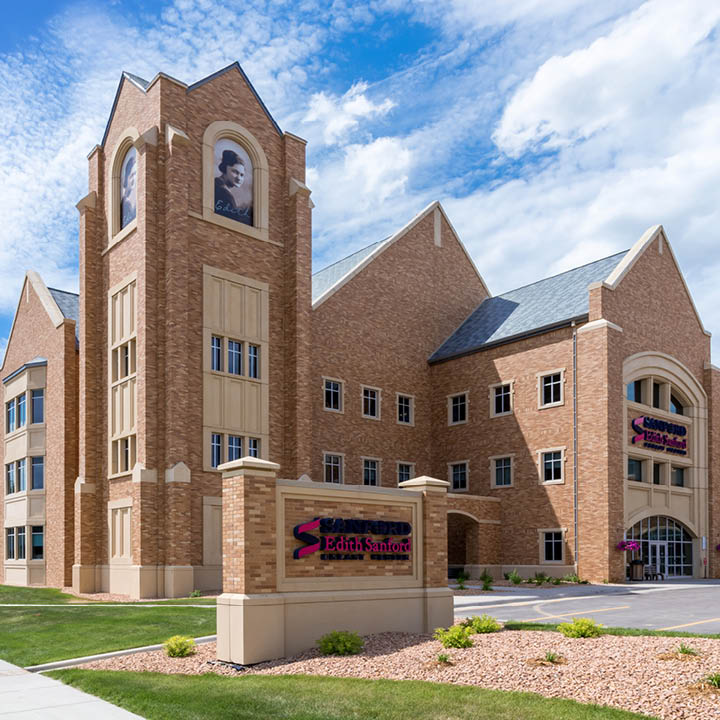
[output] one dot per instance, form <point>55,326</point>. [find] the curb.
<point>59,664</point>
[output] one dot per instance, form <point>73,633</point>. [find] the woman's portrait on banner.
<point>233,173</point>
<point>128,188</point>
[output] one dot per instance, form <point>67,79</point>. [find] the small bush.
<point>340,642</point>
<point>462,579</point>
<point>686,650</point>
<point>540,578</point>
<point>552,657</point>
<point>195,593</point>
<point>456,636</point>
<point>443,659</point>
<point>506,576</point>
<point>581,628</point>
<point>179,646</point>
<point>713,679</point>
<point>484,624</point>
<point>571,578</point>
<point>556,581</point>
<point>514,577</point>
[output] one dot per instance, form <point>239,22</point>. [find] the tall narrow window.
<point>333,395</point>
<point>254,447</point>
<point>10,416</point>
<point>20,543</point>
<point>551,389</point>
<point>458,409</point>
<point>38,542</point>
<point>503,471</point>
<point>371,403</point>
<point>234,357</point>
<point>404,472</point>
<point>21,482</point>
<point>676,406</point>
<point>128,188</point>
<point>10,478</point>
<point>332,465</point>
<point>253,361</point>
<point>9,543</point>
<point>21,410</point>
<point>552,466</point>
<point>38,406</point>
<point>634,391</point>
<point>502,398</point>
<point>370,472</point>
<point>553,550</point>
<point>234,447</point>
<point>635,470</point>
<point>215,449</point>
<point>677,477</point>
<point>458,473</point>
<point>657,474</point>
<point>656,395</point>
<point>216,362</point>
<point>405,409</point>
<point>38,473</point>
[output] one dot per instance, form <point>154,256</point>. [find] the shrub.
<point>555,581</point>
<point>340,642</point>
<point>484,624</point>
<point>571,577</point>
<point>552,657</point>
<point>506,576</point>
<point>540,578</point>
<point>443,659</point>
<point>581,628</point>
<point>179,646</point>
<point>461,579</point>
<point>713,679</point>
<point>514,577</point>
<point>195,593</point>
<point>456,636</point>
<point>686,650</point>
<point>487,580</point>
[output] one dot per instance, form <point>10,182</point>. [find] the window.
<point>676,406</point>
<point>459,476</point>
<point>552,466</point>
<point>332,468</point>
<point>253,361</point>
<point>234,447</point>
<point>333,395</point>
<point>9,543</point>
<point>128,188</point>
<point>10,416</point>
<point>216,354</point>
<point>234,357</point>
<point>10,478</point>
<point>405,409</point>
<point>677,477</point>
<point>551,389</point>
<point>502,471</point>
<point>215,449</point>
<point>254,447</point>
<point>553,546</point>
<point>656,395</point>
<point>37,408</point>
<point>635,470</point>
<point>21,410</point>
<point>38,542</point>
<point>501,400</point>
<point>20,534</point>
<point>371,403</point>
<point>20,472</point>
<point>457,409</point>
<point>38,473</point>
<point>371,472</point>
<point>657,474</point>
<point>404,472</point>
<point>634,391</point>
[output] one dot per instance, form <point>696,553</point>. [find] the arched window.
<point>128,188</point>
<point>676,405</point>
<point>665,544</point>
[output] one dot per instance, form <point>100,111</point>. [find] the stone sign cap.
<point>425,483</point>
<point>248,464</point>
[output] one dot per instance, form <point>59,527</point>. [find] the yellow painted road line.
<point>574,614</point>
<point>697,622</point>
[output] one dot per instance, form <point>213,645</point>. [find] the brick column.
<point>83,569</point>
<point>179,573</point>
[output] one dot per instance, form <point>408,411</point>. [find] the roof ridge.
<point>355,252</point>
<point>67,292</point>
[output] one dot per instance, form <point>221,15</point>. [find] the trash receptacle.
<point>637,570</point>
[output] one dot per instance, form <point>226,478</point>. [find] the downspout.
<point>575,449</point>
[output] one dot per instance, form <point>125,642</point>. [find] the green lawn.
<point>637,632</point>
<point>31,636</point>
<point>12,594</point>
<point>300,697</point>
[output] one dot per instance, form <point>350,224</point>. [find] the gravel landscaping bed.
<point>623,672</point>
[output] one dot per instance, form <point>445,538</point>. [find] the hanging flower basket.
<point>718,548</point>
<point>632,545</point>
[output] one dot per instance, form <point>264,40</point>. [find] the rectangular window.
<point>677,477</point>
<point>503,471</point>
<point>634,391</point>
<point>458,473</point>
<point>38,473</point>
<point>551,389</point>
<point>9,543</point>
<point>38,542</point>
<point>458,409</point>
<point>333,395</point>
<point>656,395</point>
<point>10,416</point>
<point>657,474</point>
<point>20,470</point>
<point>20,532</point>
<point>552,466</point>
<point>234,447</point>
<point>215,449</point>
<point>254,447</point>
<point>404,472</point>
<point>254,361</point>
<point>125,455</point>
<point>216,354</point>
<point>502,404</point>
<point>332,465</point>
<point>635,470</point>
<point>234,357</point>
<point>10,478</point>
<point>553,546</point>
<point>38,406</point>
<point>370,472</point>
<point>371,403</point>
<point>21,410</point>
<point>405,409</point>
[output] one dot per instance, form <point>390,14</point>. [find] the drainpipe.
<point>575,449</point>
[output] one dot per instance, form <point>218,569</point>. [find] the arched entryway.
<point>666,545</point>
<point>463,541</point>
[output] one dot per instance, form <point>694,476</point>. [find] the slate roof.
<point>324,279</point>
<point>69,304</point>
<point>533,308</point>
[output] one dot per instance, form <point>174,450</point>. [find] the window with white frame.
<point>10,478</point>
<point>501,399</point>
<point>232,447</point>
<point>371,471</point>
<point>370,402</point>
<point>235,447</point>
<point>552,546</point>
<point>216,453</point>
<point>38,542</point>
<point>254,361</point>
<point>37,406</point>
<point>502,471</point>
<point>550,386</point>
<point>458,476</point>
<point>635,470</point>
<point>333,394</point>
<point>15,413</point>
<point>405,409</point>
<point>20,535</point>
<point>254,447</point>
<point>21,475</point>
<point>457,409</point>
<point>332,468</point>
<point>235,357</point>
<point>551,465</point>
<point>405,471</point>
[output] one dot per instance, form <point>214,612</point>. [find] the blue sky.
<point>554,131</point>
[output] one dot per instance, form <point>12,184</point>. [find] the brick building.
<point>566,415</point>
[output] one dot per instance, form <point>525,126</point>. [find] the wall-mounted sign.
<point>351,539</point>
<point>660,435</point>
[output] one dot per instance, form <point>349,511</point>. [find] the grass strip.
<point>31,636</point>
<point>300,697</point>
<point>634,632</point>
<point>28,595</point>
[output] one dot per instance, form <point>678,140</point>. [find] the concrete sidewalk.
<point>30,696</point>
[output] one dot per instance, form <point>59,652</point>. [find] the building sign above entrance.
<point>350,539</point>
<point>660,435</point>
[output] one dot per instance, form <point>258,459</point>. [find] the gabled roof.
<point>329,280</point>
<point>69,304</point>
<point>534,308</point>
<point>35,362</point>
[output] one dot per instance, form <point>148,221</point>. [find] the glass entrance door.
<point>658,557</point>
